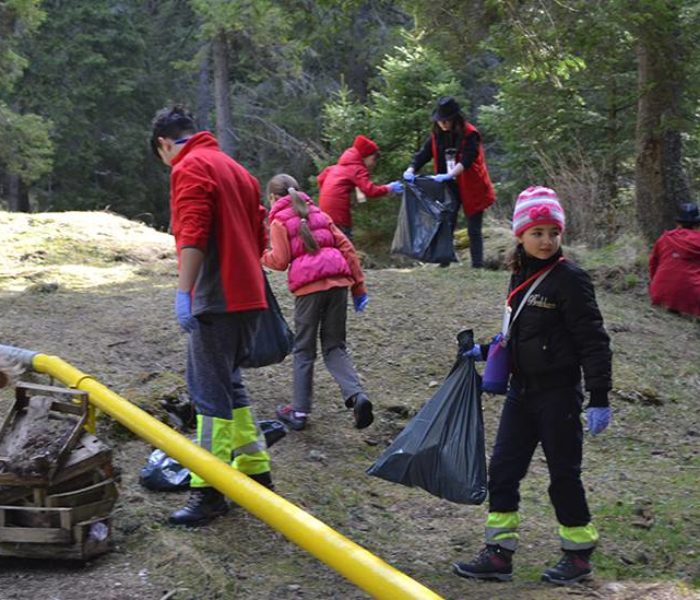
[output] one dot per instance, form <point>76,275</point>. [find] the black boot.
<point>203,506</point>
<point>571,568</point>
<point>264,479</point>
<point>493,562</point>
<point>362,410</point>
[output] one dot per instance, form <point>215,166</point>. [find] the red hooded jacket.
<point>674,271</point>
<point>215,207</point>
<point>337,182</point>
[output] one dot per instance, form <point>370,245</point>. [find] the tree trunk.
<point>204,99</point>
<point>17,194</point>
<point>224,127</point>
<point>661,183</point>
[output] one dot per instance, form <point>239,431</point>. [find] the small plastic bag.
<point>442,448</point>
<point>161,473</point>
<point>497,370</point>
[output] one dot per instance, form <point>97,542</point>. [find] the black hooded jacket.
<point>559,331</point>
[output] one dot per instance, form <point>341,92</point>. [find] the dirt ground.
<point>97,290</point>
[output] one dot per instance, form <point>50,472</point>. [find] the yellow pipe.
<point>356,564</point>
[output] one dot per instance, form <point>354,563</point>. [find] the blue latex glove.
<point>474,353</point>
<point>395,187</point>
<point>360,302</point>
<point>443,177</point>
<point>183,311</point>
<point>598,418</point>
<point>409,175</point>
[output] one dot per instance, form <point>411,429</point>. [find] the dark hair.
<point>172,123</point>
<point>283,185</point>
<point>515,259</point>
<point>458,123</point>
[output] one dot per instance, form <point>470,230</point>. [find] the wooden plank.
<point>94,509</point>
<point>86,495</point>
<point>89,454</point>
<point>36,535</point>
<point>37,516</point>
<point>83,548</point>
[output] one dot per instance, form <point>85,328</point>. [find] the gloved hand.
<point>443,177</point>
<point>409,175</point>
<point>360,302</point>
<point>395,187</point>
<point>474,352</point>
<point>598,418</point>
<point>183,311</point>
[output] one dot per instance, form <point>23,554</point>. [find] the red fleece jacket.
<point>215,207</point>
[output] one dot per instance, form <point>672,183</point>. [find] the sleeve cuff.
<point>599,398</point>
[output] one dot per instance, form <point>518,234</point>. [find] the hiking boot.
<point>264,479</point>
<point>493,562</point>
<point>361,410</point>
<point>203,506</point>
<point>294,419</point>
<point>572,568</point>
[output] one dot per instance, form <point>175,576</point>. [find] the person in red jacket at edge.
<point>454,145</point>
<point>352,170</point>
<point>674,264</point>
<point>219,228</point>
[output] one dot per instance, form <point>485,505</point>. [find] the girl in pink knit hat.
<point>553,335</point>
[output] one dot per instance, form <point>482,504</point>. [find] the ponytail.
<point>283,184</point>
<point>302,211</point>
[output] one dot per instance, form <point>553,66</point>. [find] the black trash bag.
<point>424,226</point>
<point>162,473</point>
<point>442,448</point>
<point>274,338</point>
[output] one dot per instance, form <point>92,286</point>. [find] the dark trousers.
<point>476,238</point>
<point>552,418</point>
<point>215,350</point>
<point>325,314</point>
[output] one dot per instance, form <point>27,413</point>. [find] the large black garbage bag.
<point>161,473</point>
<point>424,229</point>
<point>442,448</point>
<point>274,338</point>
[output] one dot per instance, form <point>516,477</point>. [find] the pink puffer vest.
<point>306,268</point>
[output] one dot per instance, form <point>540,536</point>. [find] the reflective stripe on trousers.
<point>502,529</point>
<point>249,447</point>
<point>578,538</point>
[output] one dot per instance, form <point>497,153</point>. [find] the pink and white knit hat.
<point>537,205</point>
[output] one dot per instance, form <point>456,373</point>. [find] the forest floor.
<point>97,290</point>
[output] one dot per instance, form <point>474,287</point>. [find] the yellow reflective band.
<point>249,446</point>
<point>216,436</point>
<point>578,538</point>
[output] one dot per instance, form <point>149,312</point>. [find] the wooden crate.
<point>64,402</point>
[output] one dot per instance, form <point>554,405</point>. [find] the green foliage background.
<point>551,86</point>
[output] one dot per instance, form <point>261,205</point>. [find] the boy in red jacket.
<point>352,170</point>
<point>674,264</point>
<point>218,224</point>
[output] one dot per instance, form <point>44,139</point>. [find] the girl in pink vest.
<point>322,265</point>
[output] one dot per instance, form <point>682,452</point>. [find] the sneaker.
<point>493,562</point>
<point>203,506</point>
<point>291,417</point>
<point>361,410</point>
<point>571,568</point>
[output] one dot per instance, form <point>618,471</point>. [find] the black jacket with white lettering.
<point>560,330</point>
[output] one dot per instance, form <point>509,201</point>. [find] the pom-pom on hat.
<point>537,205</point>
<point>365,146</point>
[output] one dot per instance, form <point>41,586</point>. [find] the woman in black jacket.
<point>558,333</point>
